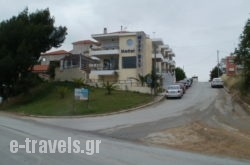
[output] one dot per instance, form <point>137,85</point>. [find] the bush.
<point>109,87</point>
<point>62,91</point>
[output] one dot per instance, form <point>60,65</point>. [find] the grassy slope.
<point>45,100</point>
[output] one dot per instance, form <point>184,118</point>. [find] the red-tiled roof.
<point>86,42</point>
<point>58,52</point>
<point>40,68</point>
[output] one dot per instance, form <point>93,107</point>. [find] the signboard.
<point>81,94</point>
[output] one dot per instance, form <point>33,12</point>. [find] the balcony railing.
<point>103,68</point>
<point>105,51</point>
<point>172,62</point>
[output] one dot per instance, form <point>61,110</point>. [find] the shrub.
<point>109,87</point>
<point>62,91</point>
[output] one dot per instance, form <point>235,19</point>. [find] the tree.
<point>109,87</point>
<point>22,39</point>
<point>154,79</point>
<point>180,74</point>
<point>243,54</point>
<point>52,69</point>
<point>142,79</point>
<point>214,73</point>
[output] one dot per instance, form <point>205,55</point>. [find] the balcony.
<point>103,71</point>
<point>103,51</point>
<point>159,57</point>
<point>172,62</point>
<point>166,60</point>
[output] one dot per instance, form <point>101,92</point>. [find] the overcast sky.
<point>194,29</point>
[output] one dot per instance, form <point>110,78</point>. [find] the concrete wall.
<point>69,74</point>
<point>140,89</point>
<point>126,74</point>
<point>126,86</point>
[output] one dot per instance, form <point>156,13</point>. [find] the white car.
<point>174,91</point>
<point>217,82</point>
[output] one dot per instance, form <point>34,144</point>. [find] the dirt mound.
<point>200,137</point>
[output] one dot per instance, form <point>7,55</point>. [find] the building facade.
<point>123,56</point>
<point>231,67</point>
<point>163,57</point>
<point>116,57</point>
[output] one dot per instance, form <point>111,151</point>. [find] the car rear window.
<point>173,87</point>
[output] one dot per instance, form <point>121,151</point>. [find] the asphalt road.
<point>112,150</point>
<point>200,96</point>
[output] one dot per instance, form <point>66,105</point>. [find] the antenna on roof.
<point>121,27</point>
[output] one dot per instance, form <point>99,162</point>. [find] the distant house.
<point>69,64</point>
<point>74,66</point>
<point>83,47</point>
<point>55,56</point>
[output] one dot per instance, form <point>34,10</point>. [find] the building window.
<point>129,62</point>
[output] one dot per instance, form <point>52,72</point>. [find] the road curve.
<point>198,96</point>
<point>112,151</point>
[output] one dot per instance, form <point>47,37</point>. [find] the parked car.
<point>184,82</point>
<point>189,81</point>
<point>183,87</point>
<point>174,91</point>
<point>217,82</point>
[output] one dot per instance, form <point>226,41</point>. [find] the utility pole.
<point>154,76</point>
<point>218,69</point>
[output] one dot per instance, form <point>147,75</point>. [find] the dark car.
<point>184,82</point>
<point>183,87</point>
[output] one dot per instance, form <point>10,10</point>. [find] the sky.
<point>194,29</point>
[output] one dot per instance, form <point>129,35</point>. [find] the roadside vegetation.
<point>214,73</point>
<point>22,40</point>
<point>243,55</point>
<point>239,84</point>
<point>180,74</point>
<point>57,99</point>
<point>236,86</point>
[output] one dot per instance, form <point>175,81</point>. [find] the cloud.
<point>195,29</point>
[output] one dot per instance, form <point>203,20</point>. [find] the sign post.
<point>82,94</point>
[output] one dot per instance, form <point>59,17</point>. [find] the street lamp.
<point>218,72</point>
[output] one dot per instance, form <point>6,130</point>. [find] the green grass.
<point>46,100</point>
